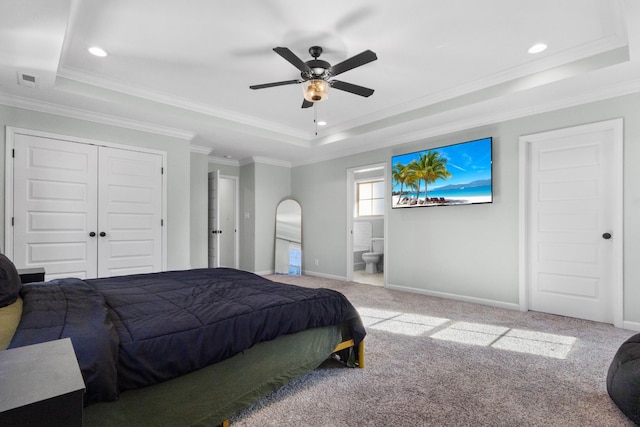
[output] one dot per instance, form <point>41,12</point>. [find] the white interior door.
<point>574,200</point>
<point>223,219</point>
<point>227,222</point>
<point>83,210</point>
<point>55,206</point>
<point>214,220</point>
<point>130,216</point>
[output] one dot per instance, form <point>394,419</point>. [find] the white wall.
<point>464,251</point>
<point>178,166</point>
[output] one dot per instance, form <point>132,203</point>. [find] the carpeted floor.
<point>436,362</point>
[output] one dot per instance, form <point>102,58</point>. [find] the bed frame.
<point>211,395</point>
<point>342,346</point>
<point>214,394</point>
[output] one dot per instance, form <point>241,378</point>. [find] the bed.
<point>188,347</point>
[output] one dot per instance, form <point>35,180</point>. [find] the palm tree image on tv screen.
<point>458,174</point>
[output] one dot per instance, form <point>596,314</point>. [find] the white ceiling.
<point>184,68</point>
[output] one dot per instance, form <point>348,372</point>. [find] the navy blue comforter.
<point>134,331</point>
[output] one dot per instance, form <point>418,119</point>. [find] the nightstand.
<point>30,275</point>
<point>41,385</point>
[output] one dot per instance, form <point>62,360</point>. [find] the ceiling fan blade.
<point>292,58</point>
<point>351,88</point>
<point>306,104</point>
<point>265,85</point>
<point>353,62</point>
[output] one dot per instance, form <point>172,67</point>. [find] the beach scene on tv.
<point>458,174</point>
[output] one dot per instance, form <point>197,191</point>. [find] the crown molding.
<point>265,161</point>
<point>223,161</point>
<point>201,149</point>
<point>81,76</point>
<point>612,48</point>
<point>80,114</point>
<point>612,91</point>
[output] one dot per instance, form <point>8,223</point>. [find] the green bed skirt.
<point>210,395</point>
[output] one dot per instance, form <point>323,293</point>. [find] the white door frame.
<point>212,230</point>
<point>8,191</point>
<point>525,143</point>
<point>236,196</point>
<point>351,200</point>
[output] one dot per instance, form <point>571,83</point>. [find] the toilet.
<point>372,258</point>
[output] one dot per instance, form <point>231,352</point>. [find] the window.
<point>370,198</point>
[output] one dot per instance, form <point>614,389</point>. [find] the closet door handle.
<point>102,234</point>
<point>92,234</point>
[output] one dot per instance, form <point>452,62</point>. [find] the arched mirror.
<point>288,238</point>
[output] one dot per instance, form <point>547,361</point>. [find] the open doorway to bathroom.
<point>366,207</point>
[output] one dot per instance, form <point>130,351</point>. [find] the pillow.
<point>9,319</point>
<point>9,282</point>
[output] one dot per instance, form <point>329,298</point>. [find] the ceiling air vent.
<point>27,80</point>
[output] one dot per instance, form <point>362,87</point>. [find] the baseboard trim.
<point>264,273</point>
<point>456,297</point>
<point>632,326</point>
<point>324,276</point>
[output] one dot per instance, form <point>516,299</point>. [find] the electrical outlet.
<point>317,261</point>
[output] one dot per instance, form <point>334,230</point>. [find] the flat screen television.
<point>457,174</point>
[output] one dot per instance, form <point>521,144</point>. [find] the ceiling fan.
<point>317,74</point>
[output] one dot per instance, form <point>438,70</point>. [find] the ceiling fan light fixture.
<point>316,90</point>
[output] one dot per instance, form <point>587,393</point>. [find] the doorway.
<point>366,225</point>
<point>571,222</point>
<point>223,220</point>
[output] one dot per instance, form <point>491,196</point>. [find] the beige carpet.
<point>436,362</point>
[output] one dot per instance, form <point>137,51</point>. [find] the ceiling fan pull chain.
<point>315,116</point>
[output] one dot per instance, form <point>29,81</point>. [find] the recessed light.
<point>322,123</point>
<point>537,48</point>
<point>228,157</point>
<point>97,51</point>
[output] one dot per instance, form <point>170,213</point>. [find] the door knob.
<point>92,234</point>
<point>606,236</point>
<point>102,234</point>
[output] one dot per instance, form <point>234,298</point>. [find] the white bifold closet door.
<point>86,211</point>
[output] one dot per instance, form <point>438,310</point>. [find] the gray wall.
<point>468,251</point>
<point>178,165</point>
<point>199,210</point>
<point>228,170</point>
<point>247,217</point>
<point>261,187</point>
<point>273,183</point>
<point>321,189</point>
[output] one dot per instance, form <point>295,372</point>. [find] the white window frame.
<point>357,197</point>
